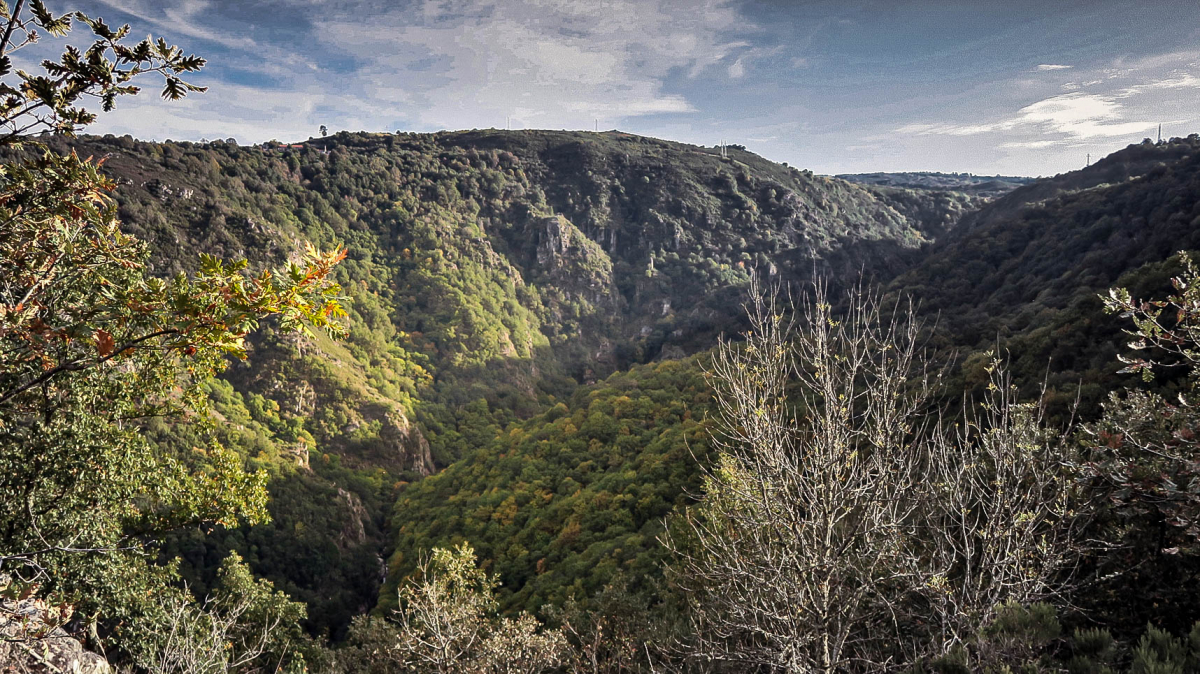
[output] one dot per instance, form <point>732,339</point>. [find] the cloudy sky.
<point>1009,87</point>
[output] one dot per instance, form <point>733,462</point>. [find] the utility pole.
<point>1160,133</point>
<point>1089,160</point>
<point>597,125</point>
<point>508,123</point>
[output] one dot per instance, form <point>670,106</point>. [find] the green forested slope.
<point>564,503</point>
<point>491,274</point>
<point>488,275</point>
<point>1028,278</point>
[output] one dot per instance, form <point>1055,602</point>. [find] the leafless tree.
<point>999,511</point>
<point>842,519</point>
<point>211,640</point>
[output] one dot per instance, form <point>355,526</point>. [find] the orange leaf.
<point>104,343</point>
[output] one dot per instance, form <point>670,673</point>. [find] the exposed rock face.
<point>354,531</point>
<point>574,263</point>
<point>31,643</point>
<point>408,442</point>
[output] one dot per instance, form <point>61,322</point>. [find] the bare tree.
<point>999,512</point>
<point>199,641</point>
<point>443,612</point>
<point>843,526</point>
<point>808,512</point>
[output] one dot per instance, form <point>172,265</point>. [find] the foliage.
<point>91,346</point>
<point>1029,639</point>
<point>446,623</point>
<point>561,504</point>
<point>1142,467</point>
<point>244,626</point>
<point>55,99</point>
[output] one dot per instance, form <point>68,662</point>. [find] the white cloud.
<point>1045,67</point>
<point>1074,115</point>
<point>1079,115</point>
<point>1030,144</point>
<point>544,62</point>
<point>1121,100</point>
<point>738,69</point>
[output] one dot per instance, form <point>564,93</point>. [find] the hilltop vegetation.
<point>982,186</point>
<point>1027,271</point>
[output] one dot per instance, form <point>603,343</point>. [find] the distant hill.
<point>1025,271</point>
<point>982,186</point>
<point>1118,167</point>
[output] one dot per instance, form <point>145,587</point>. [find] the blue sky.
<point>1008,87</point>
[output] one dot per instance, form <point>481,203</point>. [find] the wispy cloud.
<point>543,63</point>
<point>182,18</point>
<point>1078,115</point>
<point>1124,99</point>
<point>794,81</point>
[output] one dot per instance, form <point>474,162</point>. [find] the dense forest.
<point>495,401</point>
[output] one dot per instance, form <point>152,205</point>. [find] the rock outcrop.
<point>32,642</point>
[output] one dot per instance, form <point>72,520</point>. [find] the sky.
<point>1008,87</point>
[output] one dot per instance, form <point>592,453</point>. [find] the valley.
<point>515,294</point>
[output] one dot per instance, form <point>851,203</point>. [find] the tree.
<point>54,99</point>
<point>244,623</point>
<point>822,540</point>
<point>446,623</point>
<point>91,346</point>
<point>324,131</point>
<point>1000,519</point>
<point>1142,467</point>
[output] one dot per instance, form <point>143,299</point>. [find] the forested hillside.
<point>500,286</point>
<point>488,274</point>
<point>1026,272</point>
<point>1028,284</point>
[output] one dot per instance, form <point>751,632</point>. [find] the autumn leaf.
<point>104,343</point>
